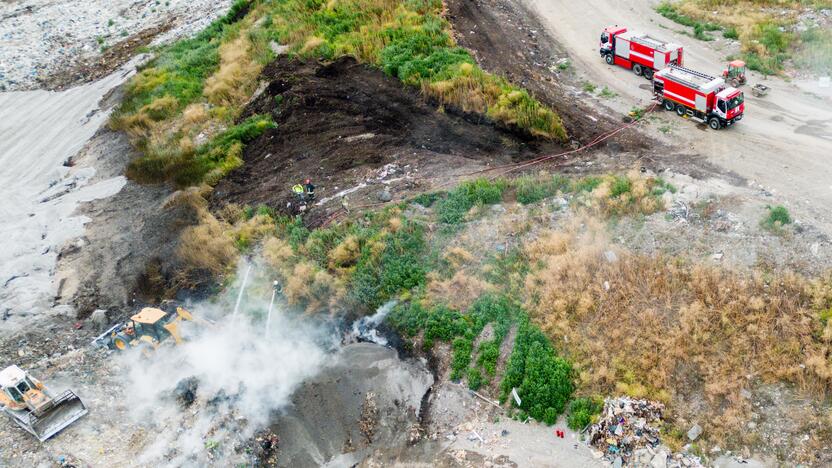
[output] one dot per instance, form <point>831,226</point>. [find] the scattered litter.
<point>629,431</point>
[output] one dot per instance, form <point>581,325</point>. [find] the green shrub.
<point>588,184</point>
<point>488,354</point>
<point>543,380</point>
<point>462,347</point>
<point>452,209</point>
<point>532,190</point>
<point>400,267</point>
<point>589,87</point>
<point>731,33</point>
<point>475,379</point>
<point>581,411</point>
<point>620,186</point>
<point>661,186</point>
<point>443,324</point>
<point>427,199</point>
<point>777,217</point>
<point>408,318</point>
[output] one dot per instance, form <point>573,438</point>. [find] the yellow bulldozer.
<point>146,329</point>
<point>27,401</point>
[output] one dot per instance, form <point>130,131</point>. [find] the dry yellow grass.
<point>663,328</point>
<point>233,83</point>
<point>207,246</point>
<point>345,254</point>
<point>457,292</point>
<point>277,252</point>
<point>314,289</point>
<point>457,257</point>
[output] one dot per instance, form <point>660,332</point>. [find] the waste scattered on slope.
<point>628,432</point>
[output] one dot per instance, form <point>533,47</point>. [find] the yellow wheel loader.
<point>27,401</point>
<point>147,329</point>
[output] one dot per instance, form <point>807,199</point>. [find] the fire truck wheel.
<point>668,105</point>
<point>637,69</point>
<point>680,109</point>
<point>609,59</point>
<point>648,73</point>
<point>714,123</point>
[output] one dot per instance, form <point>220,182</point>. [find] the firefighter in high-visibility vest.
<point>297,189</point>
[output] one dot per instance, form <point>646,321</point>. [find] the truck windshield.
<point>16,396</point>
<point>736,101</point>
<point>604,38</point>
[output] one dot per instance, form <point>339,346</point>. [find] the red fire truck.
<point>638,51</point>
<point>698,95</point>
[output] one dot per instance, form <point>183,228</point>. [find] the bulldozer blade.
<point>61,412</point>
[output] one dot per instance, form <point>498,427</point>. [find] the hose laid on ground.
<point>507,168</point>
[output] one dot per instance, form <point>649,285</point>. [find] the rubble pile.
<point>628,432</point>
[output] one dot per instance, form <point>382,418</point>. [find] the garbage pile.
<point>628,433</point>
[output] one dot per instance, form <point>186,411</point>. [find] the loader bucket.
<point>62,411</point>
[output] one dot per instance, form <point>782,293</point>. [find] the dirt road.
<point>784,144</point>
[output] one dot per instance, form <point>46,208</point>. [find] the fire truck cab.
<point>695,94</point>
<point>639,52</point>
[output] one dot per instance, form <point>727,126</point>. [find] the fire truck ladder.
<point>707,78</point>
<point>649,42</point>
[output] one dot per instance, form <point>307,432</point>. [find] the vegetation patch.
<point>453,208</point>
<point>763,28</point>
<point>583,412</point>
<point>195,89</point>
<point>777,217</point>
<point>657,327</point>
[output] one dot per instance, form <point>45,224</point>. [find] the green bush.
<point>777,217</point>
<point>532,190</point>
<point>581,411</point>
<point>443,324</point>
<point>408,318</point>
<point>620,186</point>
<point>462,347</point>
<point>475,379</point>
<point>731,33</point>
<point>488,354</point>
<point>543,379</point>
<point>452,209</point>
<point>588,184</point>
<point>400,267</point>
<point>427,199</point>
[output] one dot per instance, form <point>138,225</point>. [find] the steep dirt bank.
<point>346,125</point>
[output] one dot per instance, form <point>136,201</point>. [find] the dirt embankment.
<point>339,123</point>
<point>507,40</point>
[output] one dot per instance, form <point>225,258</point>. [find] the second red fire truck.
<point>698,95</point>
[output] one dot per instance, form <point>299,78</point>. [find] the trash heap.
<point>627,433</point>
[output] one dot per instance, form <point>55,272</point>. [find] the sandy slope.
<point>40,131</point>
<point>785,142</point>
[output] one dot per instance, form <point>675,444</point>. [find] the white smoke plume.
<point>244,375</point>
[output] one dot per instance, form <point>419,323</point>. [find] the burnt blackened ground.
<point>339,122</point>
